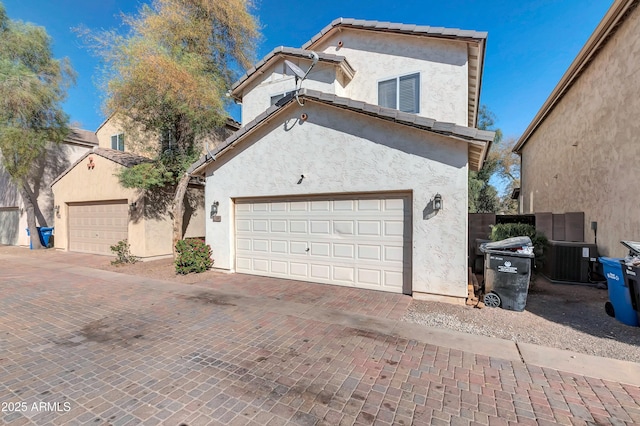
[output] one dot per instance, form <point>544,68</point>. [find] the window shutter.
<point>410,93</point>
<point>387,93</point>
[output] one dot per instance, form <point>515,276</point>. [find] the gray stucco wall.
<point>344,152</point>
<point>586,155</point>
<point>56,160</point>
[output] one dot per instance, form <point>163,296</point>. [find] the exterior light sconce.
<point>132,206</point>
<point>437,202</point>
<point>214,212</point>
<point>57,209</point>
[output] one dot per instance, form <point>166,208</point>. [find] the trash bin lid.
<point>509,243</point>
<point>611,261</point>
<point>633,247</point>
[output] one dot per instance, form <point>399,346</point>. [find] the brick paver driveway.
<point>82,346</point>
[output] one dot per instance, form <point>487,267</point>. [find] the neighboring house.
<point>581,152</point>
<point>95,211</point>
<point>342,184</point>
<point>13,217</point>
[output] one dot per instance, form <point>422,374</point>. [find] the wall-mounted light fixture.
<point>57,209</point>
<point>214,208</point>
<point>437,202</point>
<point>132,206</point>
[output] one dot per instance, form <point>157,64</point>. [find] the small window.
<point>168,140</point>
<point>117,142</point>
<point>276,98</point>
<point>401,93</point>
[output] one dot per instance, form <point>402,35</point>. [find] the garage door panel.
<point>298,226</point>
<point>354,241</point>
<point>279,225</point>
<point>95,227</point>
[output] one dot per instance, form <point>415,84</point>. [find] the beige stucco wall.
<point>586,155</point>
<point>57,158</point>
<point>147,144</point>
<point>135,140</point>
<point>442,65</point>
<point>343,152</point>
<point>82,184</point>
<point>150,226</point>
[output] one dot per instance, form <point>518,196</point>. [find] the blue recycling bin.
<point>44,233</point>
<point>619,294</point>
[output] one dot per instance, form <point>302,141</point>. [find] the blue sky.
<point>531,42</point>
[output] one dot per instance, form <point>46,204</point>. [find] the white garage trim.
<point>361,240</point>
<point>95,226</point>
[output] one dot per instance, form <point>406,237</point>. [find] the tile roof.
<point>441,32</point>
<point>289,51</point>
<point>125,159</point>
<point>479,139</point>
<point>81,137</point>
<point>615,16</point>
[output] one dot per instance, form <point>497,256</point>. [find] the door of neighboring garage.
<point>95,226</point>
<point>359,241</point>
<point>9,225</point>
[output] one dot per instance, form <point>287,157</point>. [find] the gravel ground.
<point>561,316</point>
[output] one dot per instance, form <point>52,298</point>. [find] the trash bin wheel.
<point>608,308</point>
<point>492,300</point>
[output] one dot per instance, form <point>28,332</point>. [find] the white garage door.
<point>352,241</point>
<point>94,227</point>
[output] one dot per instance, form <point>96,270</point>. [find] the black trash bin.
<point>507,273</point>
<point>631,273</point>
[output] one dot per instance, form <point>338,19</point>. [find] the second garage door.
<point>95,227</point>
<point>361,241</point>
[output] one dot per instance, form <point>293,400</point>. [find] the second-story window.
<point>401,93</point>
<point>117,142</point>
<point>168,140</point>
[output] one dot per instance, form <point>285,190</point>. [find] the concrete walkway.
<point>107,348</point>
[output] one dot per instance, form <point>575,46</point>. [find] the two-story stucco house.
<point>94,211</point>
<point>361,179</point>
<point>581,151</point>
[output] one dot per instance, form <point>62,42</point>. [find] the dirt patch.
<point>107,330</point>
<point>212,299</point>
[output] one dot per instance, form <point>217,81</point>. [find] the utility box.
<point>569,262</point>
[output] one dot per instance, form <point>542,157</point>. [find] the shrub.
<point>193,256</point>
<point>122,250</point>
<point>508,230</point>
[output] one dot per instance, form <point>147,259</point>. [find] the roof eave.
<point>477,139</point>
<point>614,16</point>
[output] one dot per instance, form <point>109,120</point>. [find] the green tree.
<point>32,86</point>
<point>483,197</point>
<point>508,171</point>
<point>169,76</point>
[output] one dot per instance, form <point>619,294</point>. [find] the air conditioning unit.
<point>569,262</point>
